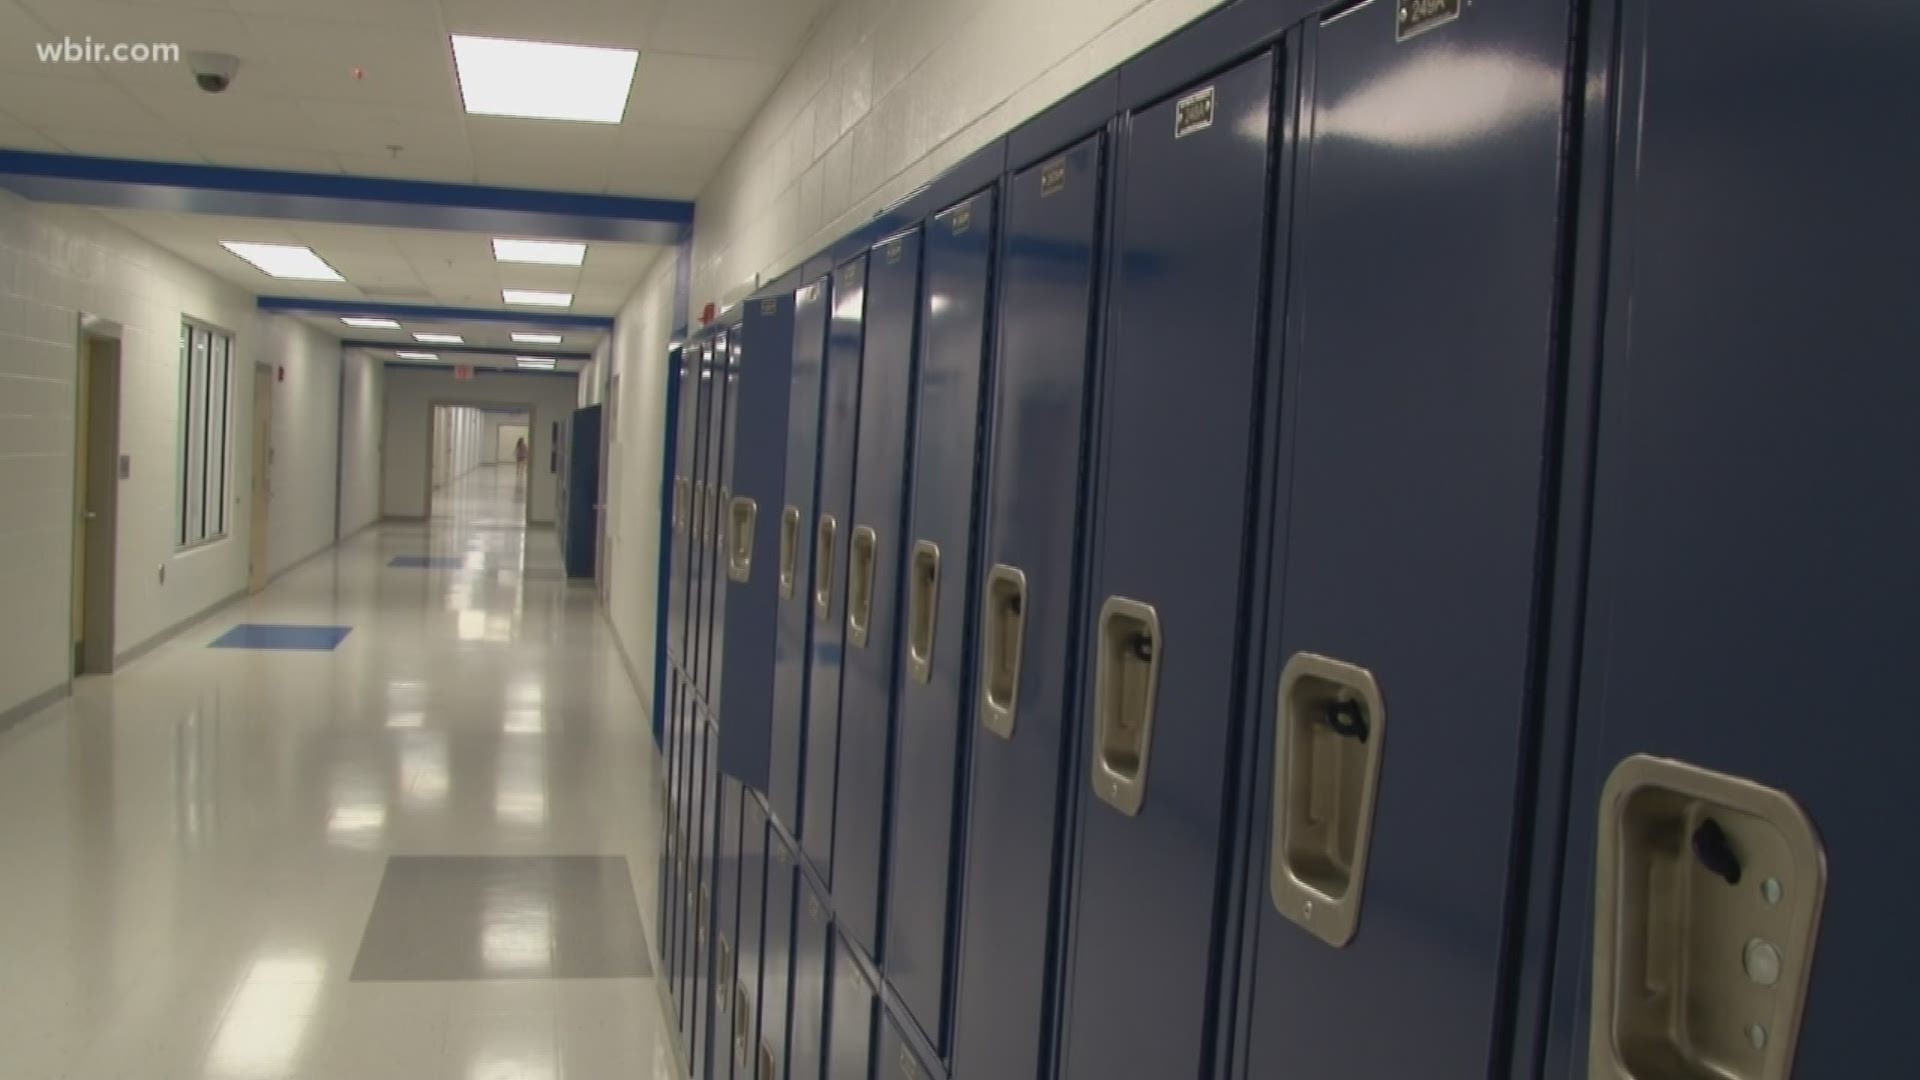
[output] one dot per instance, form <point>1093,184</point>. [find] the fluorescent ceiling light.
<point>540,80</point>
<point>370,324</point>
<point>540,363</point>
<point>285,261</point>
<point>544,252</point>
<point>537,339</point>
<point>440,339</point>
<point>417,355</point>
<point>537,297</point>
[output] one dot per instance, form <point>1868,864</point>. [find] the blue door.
<point>1752,581</point>
<point>793,643</point>
<point>1421,375</point>
<point>853,1012</point>
<point>1177,425</point>
<point>812,957</point>
<point>776,965</point>
<point>833,527</point>
<point>752,544</point>
<point>727,371</point>
<point>703,493</point>
<point>686,436</point>
<point>1026,654</point>
<point>937,605</point>
<point>873,584</point>
<point>707,562</point>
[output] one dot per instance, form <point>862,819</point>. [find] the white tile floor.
<point>189,849</point>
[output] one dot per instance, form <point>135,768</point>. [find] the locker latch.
<point>789,550</point>
<point>823,567</point>
<point>1126,682</point>
<point>1003,630</point>
<point>862,555</point>
<point>743,514</point>
<point>924,610</point>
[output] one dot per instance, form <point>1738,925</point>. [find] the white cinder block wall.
<point>637,354</point>
<point>305,439</point>
<point>56,263</point>
<point>362,426</point>
<point>410,395</point>
<point>885,96</point>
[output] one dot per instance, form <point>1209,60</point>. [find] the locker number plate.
<point>1419,16</point>
<point>1193,113</point>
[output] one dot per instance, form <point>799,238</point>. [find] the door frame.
<point>533,430</point>
<point>603,504</point>
<point>260,485</point>
<point>96,495</point>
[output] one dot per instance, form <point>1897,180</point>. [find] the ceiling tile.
<point>643,184</point>
<point>407,167</point>
<point>766,30</point>
<point>268,157</point>
<point>15,135</point>
<point>622,23</point>
<point>390,13</point>
<point>238,115</point>
<point>51,103</point>
<point>700,91</point>
<point>144,145</point>
<point>332,61</point>
<point>372,130</point>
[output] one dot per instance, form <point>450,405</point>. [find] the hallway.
<point>195,848</point>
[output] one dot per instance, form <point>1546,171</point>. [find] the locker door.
<point>1029,525</point>
<point>777,971</point>
<point>793,644</point>
<point>897,1058</point>
<point>707,563</point>
<point>854,1011</point>
<point>873,584</point>
<point>1421,372</point>
<point>937,607</point>
<point>686,436</point>
<point>751,947</point>
<point>726,928</point>
<point>691,935</point>
<point>1752,580</point>
<point>696,523</point>
<point>729,375</point>
<point>833,528</point>
<point>1177,426</point>
<point>752,547</point>
<point>706,929</point>
<point>812,955</point>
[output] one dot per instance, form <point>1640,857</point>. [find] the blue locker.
<point>1177,422</point>
<point>812,955</point>
<point>900,1057</point>
<point>874,545</point>
<point>750,945</point>
<point>703,493</point>
<point>728,374</point>
<point>1030,521</point>
<point>853,1013</point>
<point>776,965</point>
<point>686,437</point>
<point>706,590</point>
<point>1751,580</point>
<point>839,422</point>
<point>705,929</point>
<point>793,643</point>
<point>757,475</point>
<point>726,928</point>
<point>1421,371</point>
<point>938,606</point>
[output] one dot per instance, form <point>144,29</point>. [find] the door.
<point>1752,580</point>
<point>258,570</point>
<point>609,438</point>
<point>96,453</point>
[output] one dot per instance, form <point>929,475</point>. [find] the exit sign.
<point>463,372</point>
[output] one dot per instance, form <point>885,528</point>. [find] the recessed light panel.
<point>440,339</point>
<point>541,80</point>
<point>538,339</point>
<point>542,252</point>
<point>417,355</point>
<point>537,363</point>
<point>291,261</point>
<point>537,298</point>
<point>371,324</point>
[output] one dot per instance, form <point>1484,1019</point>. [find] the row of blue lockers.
<point>1366,542</point>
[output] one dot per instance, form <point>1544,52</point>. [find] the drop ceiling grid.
<point>706,66</point>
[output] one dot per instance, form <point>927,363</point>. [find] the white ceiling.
<point>478,335</point>
<point>396,266</point>
<point>297,104</point>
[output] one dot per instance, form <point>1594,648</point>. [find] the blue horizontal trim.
<point>430,313</point>
<point>448,368</point>
<point>467,350</point>
<point>349,200</point>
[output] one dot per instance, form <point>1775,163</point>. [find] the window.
<point>206,372</point>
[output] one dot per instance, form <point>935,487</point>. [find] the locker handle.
<point>1126,682</point>
<point>743,514</point>
<point>700,931</point>
<point>1708,897</point>
<point>723,976</point>
<point>924,611</point>
<point>715,527</point>
<point>699,511</point>
<point>742,1025</point>
<point>1332,727</point>
<point>1003,634</point>
<point>680,504</point>
<point>863,554</point>
<point>789,549</point>
<point>823,568</point>
<point>766,1063</point>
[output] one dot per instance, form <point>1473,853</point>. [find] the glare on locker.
<point>833,534</point>
<point>812,975</point>
<point>882,451</point>
<point>793,642</point>
<point>1178,418</point>
<point>854,1009</point>
<point>937,606</point>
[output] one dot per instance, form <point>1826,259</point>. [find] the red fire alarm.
<point>281,371</point>
<point>707,313</point>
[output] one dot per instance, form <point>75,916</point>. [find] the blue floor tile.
<point>427,562</point>
<point>274,636</point>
